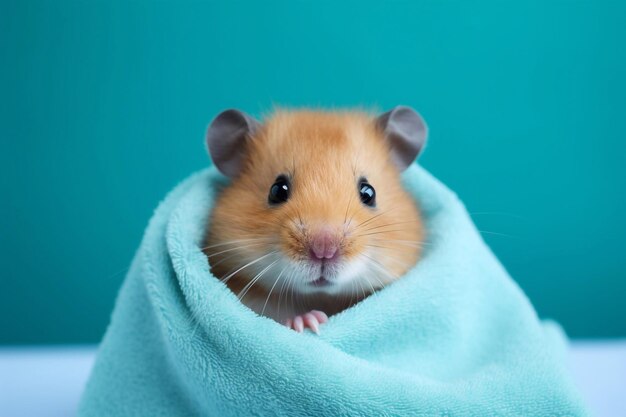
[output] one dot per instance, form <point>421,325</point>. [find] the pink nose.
<point>324,244</point>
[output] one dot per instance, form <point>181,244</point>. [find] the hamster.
<point>315,217</point>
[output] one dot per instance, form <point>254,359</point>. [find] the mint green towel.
<point>454,337</point>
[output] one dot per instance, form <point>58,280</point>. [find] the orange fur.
<point>324,154</point>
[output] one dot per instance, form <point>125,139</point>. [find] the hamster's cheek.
<point>350,276</point>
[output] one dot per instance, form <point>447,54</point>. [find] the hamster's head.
<point>315,203</point>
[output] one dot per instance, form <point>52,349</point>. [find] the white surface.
<point>599,370</point>
<point>43,382</point>
<point>47,382</point>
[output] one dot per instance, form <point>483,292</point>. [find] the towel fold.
<point>455,336</point>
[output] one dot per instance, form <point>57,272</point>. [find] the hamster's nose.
<point>324,244</point>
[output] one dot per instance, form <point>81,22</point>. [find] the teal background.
<point>104,106</point>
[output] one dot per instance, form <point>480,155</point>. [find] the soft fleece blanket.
<point>454,337</point>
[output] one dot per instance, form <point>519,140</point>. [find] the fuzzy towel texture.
<point>454,337</point>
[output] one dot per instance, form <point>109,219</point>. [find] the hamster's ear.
<point>226,139</point>
<point>406,132</point>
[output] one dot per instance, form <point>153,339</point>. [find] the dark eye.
<point>367,193</point>
<point>279,191</point>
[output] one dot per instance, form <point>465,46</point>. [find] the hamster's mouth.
<point>320,282</point>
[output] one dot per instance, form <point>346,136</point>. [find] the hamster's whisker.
<point>389,248</point>
<point>380,266</point>
<point>392,245</point>
<point>364,222</point>
<point>351,292</point>
<point>347,226</point>
<point>237,241</point>
<point>415,243</point>
<point>233,242</point>
<point>291,292</point>
<point>375,277</point>
<point>370,284</point>
<point>296,300</point>
<point>496,233</point>
<point>280,294</point>
<point>421,242</point>
<point>357,288</point>
<point>380,232</point>
<point>254,280</point>
<point>237,248</point>
<point>374,293</point>
<point>363,291</point>
<point>382,285</point>
<point>382,269</point>
<point>345,217</point>
<point>398,261</point>
<point>284,288</point>
<point>496,213</point>
<point>230,275</point>
<point>372,218</point>
<point>390,224</point>
<point>272,289</point>
<point>115,274</point>
<point>224,259</point>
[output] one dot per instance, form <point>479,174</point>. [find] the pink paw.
<point>311,320</point>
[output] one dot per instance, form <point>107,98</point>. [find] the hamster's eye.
<point>367,193</point>
<point>279,191</point>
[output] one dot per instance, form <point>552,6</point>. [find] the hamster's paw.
<point>311,320</point>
